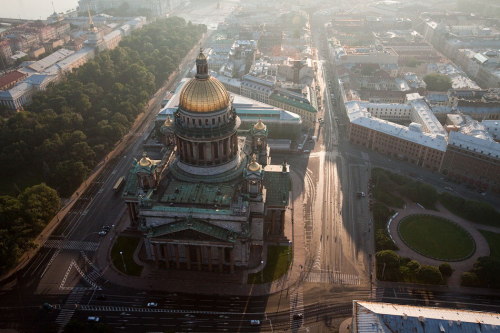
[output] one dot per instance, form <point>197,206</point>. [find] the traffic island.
<point>122,255</point>
<point>278,261</point>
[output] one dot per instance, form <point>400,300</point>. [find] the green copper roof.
<point>196,225</point>
<point>289,101</point>
<point>196,193</point>
<point>277,188</point>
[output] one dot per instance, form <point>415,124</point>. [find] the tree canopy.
<point>70,126</point>
<point>437,82</point>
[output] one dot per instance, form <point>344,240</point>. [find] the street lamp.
<point>123,261</point>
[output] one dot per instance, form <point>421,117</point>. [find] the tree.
<point>469,279</point>
<point>40,204</point>
<point>388,265</point>
<point>445,269</point>
<point>429,274</point>
<point>487,270</point>
<point>437,82</point>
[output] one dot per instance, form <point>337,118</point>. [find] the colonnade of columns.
<point>207,153</point>
<point>194,257</point>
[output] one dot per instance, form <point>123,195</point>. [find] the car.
<point>361,194</point>
<point>307,151</point>
<point>255,322</point>
<point>298,316</point>
<point>93,318</point>
<point>447,188</point>
<point>152,305</point>
<point>102,233</point>
<point>106,228</point>
<point>188,315</point>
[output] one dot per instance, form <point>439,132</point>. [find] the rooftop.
<point>10,78</point>
<point>358,114</point>
<point>385,317</point>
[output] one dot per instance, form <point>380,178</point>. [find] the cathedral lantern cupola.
<point>254,175</point>
<point>259,141</point>
<point>145,171</point>
<point>201,66</point>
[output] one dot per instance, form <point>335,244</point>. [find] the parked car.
<point>152,305</point>
<point>255,322</point>
<point>93,318</point>
<point>298,316</point>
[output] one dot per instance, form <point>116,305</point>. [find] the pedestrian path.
<point>69,307</point>
<point>296,308</point>
<point>323,276</point>
<point>71,245</point>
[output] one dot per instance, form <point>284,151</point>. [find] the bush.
<point>475,211</point>
<point>429,274</point>
<point>445,269</point>
<point>469,279</point>
<point>383,241</point>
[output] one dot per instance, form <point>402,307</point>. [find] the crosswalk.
<point>333,278</point>
<point>89,278</point>
<point>71,245</point>
<point>69,308</point>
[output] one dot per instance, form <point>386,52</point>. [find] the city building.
<point>411,143</point>
<point>212,199</point>
<point>371,317</point>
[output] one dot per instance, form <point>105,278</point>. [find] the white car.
<point>93,318</point>
<point>152,305</point>
<point>255,322</point>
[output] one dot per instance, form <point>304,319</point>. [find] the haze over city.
<point>249,166</point>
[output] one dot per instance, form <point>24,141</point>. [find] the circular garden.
<point>436,237</point>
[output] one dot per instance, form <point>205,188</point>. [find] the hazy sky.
<point>34,9</point>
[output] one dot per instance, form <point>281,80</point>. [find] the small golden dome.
<point>254,165</point>
<point>259,126</point>
<point>204,95</point>
<point>168,122</point>
<point>145,161</point>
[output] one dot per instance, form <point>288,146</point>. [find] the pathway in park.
<point>482,248</point>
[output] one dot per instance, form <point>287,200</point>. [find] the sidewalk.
<point>210,282</point>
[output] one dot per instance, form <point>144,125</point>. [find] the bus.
<point>119,184</point>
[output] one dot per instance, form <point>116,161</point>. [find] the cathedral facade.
<point>212,199</point>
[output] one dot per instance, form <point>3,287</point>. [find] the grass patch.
<point>436,237</point>
<point>127,245</point>
<point>278,260</point>
<point>493,240</point>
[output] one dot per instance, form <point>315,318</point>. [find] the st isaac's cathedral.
<point>212,200</point>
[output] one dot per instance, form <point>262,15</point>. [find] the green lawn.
<point>278,260</point>
<point>493,240</point>
<point>127,245</point>
<point>436,237</point>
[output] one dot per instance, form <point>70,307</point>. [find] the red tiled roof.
<point>10,78</point>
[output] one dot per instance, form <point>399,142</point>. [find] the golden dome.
<point>254,165</point>
<point>204,95</point>
<point>259,126</point>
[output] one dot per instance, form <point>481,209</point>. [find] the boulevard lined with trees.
<point>73,124</point>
